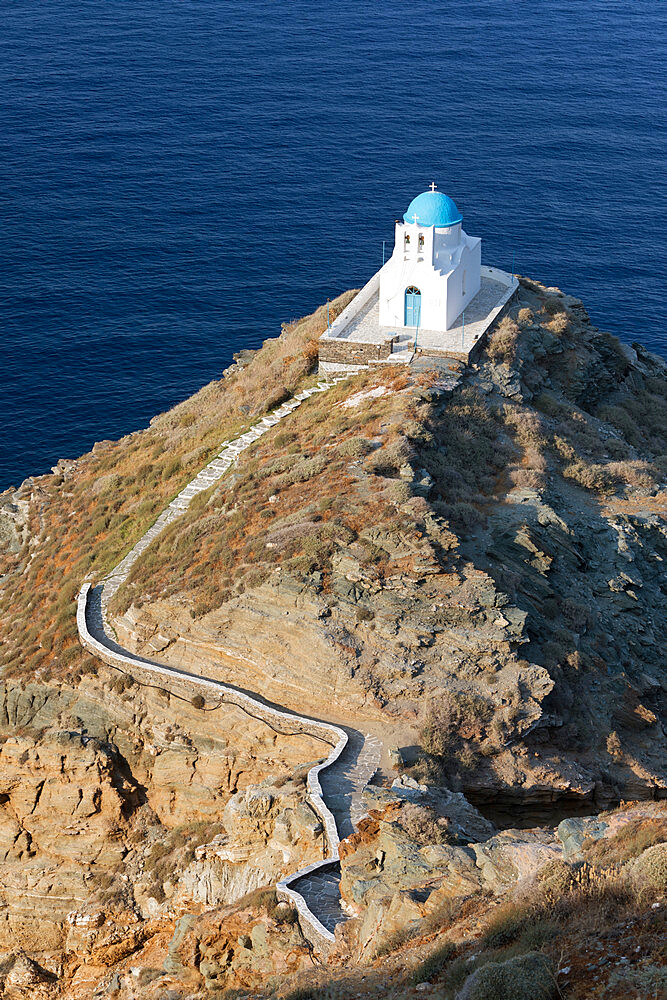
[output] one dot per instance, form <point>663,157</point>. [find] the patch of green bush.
<point>649,870</point>
<point>527,977</point>
<point>355,447</point>
<point>649,981</point>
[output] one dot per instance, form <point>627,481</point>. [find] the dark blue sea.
<point>178,178</point>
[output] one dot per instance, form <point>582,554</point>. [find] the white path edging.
<point>110,652</point>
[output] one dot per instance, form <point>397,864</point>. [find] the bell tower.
<point>434,270</point>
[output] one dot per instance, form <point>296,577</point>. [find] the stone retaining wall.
<point>501,310</point>
<point>185,684</point>
<point>350,352</point>
<point>353,308</point>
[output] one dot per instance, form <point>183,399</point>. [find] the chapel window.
<point>421,241</point>
<point>406,241</point>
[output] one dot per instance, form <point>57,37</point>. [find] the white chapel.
<point>434,271</point>
<point>432,298</point>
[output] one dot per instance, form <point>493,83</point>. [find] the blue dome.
<point>433,208</point>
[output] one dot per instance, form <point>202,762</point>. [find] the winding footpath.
<point>354,757</point>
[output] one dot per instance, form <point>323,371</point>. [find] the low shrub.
<point>536,936</point>
<point>503,341</point>
<point>392,942</point>
<point>462,516</point>
<point>527,977</point>
<point>355,447</point>
<point>523,927</point>
<point>442,914</point>
<point>434,963</point>
<point>649,870</point>
<point>559,324</point>
<point>302,471</point>
<point>640,475</point>
<point>553,306</point>
<point>388,460</point>
<point>547,403</point>
<point>556,877</point>
<point>627,843</point>
<point>527,478</point>
<point>452,719</point>
<point>283,438</point>
<point>506,925</point>
<point>592,477</point>
<point>455,975</point>
<point>648,981</point>
<point>422,825</point>
<point>398,492</point>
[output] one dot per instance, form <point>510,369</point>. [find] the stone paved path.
<point>321,891</point>
<point>209,475</point>
<point>342,786</point>
<point>343,781</point>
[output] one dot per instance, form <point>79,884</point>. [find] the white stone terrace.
<point>359,322</point>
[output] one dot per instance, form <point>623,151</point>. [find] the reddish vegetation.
<point>559,411</point>
<point>82,519</point>
<point>292,500</point>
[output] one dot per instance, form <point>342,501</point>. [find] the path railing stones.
<point>316,885</point>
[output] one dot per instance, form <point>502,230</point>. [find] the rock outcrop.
<point>465,563</point>
<point>400,871</point>
<point>238,947</point>
<point>108,820</point>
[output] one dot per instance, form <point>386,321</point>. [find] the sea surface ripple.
<point>178,178</point>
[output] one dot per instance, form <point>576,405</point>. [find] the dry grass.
<point>309,490</point>
<point>502,345</point>
<point>83,522</point>
<point>294,500</point>
<point>466,457</point>
<point>627,844</point>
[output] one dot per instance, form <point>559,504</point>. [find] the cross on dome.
<point>414,218</point>
<point>433,185</point>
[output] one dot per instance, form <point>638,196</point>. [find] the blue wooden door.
<point>413,298</point>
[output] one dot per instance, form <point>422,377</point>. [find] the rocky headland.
<point>465,564</point>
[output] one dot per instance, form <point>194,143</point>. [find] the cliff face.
<point>121,810</point>
<point>466,563</point>
<point>474,554</point>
